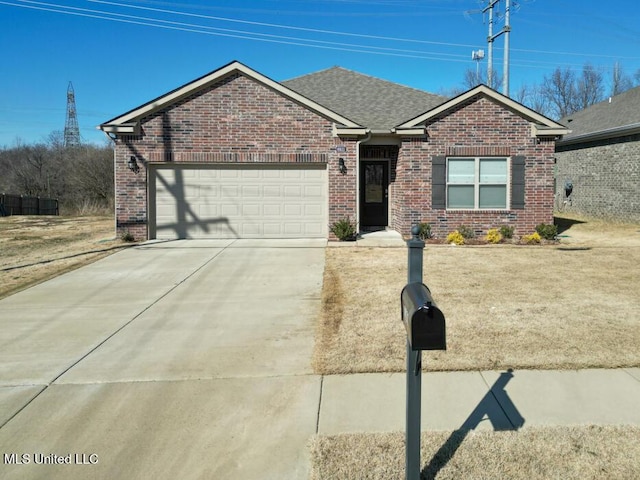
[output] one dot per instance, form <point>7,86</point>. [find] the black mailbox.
<point>422,319</point>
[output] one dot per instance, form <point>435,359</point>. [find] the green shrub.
<point>127,237</point>
<point>456,238</point>
<point>493,236</point>
<point>466,232</point>
<point>548,232</point>
<point>344,229</point>
<point>424,231</point>
<point>506,231</point>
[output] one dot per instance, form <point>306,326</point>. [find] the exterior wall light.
<point>133,164</point>
<point>342,166</point>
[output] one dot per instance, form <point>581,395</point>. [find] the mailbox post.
<point>425,327</point>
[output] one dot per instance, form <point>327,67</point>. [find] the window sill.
<point>478,210</point>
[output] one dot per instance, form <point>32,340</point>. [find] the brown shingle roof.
<point>620,111</point>
<point>371,102</point>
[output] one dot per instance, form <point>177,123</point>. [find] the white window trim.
<point>476,184</point>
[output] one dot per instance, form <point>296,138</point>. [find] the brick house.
<point>235,154</point>
<point>600,159</point>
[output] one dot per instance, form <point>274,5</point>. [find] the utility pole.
<point>507,32</point>
<point>490,38</point>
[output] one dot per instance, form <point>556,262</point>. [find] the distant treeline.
<point>81,177</point>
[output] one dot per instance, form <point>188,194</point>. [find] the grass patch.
<point>545,307</point>
<point>37,248</point>
<point>581,452</point>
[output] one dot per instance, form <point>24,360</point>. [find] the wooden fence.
<point>21,205</point>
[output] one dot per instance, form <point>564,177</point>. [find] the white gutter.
<point>631,129</point>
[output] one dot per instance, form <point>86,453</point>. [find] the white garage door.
<point>239,201</point>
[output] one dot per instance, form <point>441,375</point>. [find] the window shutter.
<point>517,182</point>
<point>439,183</point>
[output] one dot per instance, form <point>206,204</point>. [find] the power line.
<point>271,38</point>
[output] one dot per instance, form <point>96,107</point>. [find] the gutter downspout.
<point>358,143</point>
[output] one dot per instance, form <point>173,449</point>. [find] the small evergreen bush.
<point>466,232</point>
<point>548,232</point>
<point>424,231</point>
<point>506,231</point>
<point>344,229</point>
<point>127,237</point>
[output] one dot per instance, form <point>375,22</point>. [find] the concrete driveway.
<point>184,359</point>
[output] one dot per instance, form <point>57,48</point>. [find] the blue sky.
<point>120,54</point>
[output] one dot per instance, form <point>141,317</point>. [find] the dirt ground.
<point>574,304</point>
<point>36,248</point>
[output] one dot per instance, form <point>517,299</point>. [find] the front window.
<point>477,183</point>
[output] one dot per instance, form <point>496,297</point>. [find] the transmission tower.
<point>71,129</point>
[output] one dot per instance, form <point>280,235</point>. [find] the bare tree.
<point>560,91</point>
<point>91,178</point>
<point>81,178</point>
<point>532,97</point>
<point>589,87</point>
<point>620,81</point>
<point>472,78</point>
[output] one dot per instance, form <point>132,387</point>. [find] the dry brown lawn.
<point>571,305</point>
<point>36,248</point>
<point>567,453</point>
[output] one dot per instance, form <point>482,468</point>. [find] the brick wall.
<point>605,176</point>
<point>232,121</point>
<point>476,128</point>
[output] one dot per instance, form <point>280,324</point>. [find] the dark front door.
<point>374,193</point>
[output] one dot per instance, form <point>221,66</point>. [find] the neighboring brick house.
<point>235,154</point>
<point>600,159</point>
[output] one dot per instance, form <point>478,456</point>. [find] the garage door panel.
<point>251,201</point>
<point>272,229</point>
<point>251,191</point>
<point>271,191</point>
<point>272,210</point>
<point>292,191</point>
<point>209,210</point>
<point>229,173</point>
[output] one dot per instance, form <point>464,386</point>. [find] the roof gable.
<point>372,102</point>
<point>541,125</point>
<point>129,122</point>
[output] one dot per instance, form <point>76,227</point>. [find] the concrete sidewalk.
<point>482,400</point>
<point>192,360</point>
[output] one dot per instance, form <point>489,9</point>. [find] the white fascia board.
<point>406,132</point>
<point>190,88</point>
<point>341,131</point>
<point>482,90</point>
<point>121,129</point>
<point>544,131</point>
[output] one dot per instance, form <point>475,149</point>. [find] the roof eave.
<point>420,131</point>
<point>625,130</point>
<point>155,105</point>
<point>538,131</point>
<point>345,131</point>
<point>131,128</point>
<point>525,112</point>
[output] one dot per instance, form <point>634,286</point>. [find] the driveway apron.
<point>184,359</point>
